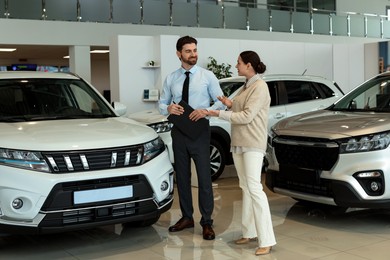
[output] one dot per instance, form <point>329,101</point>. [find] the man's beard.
<point>191,60</point>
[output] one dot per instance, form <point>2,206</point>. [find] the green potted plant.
<point>220,70</point>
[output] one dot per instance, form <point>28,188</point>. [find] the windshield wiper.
<point>102,116</point>
<point>13,119</point>
<point>55,117</point>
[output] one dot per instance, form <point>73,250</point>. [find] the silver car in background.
<point>337,156</point>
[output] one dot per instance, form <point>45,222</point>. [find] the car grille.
<point>318,154</point>
<point>306,181</point>
<point>301,161</point>
<point>60,210</point>
<point>92,160</point>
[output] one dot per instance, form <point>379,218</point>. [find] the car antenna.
<point>304,72</point>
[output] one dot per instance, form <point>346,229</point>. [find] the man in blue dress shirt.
<point>203,88</point>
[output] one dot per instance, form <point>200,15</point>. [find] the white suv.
<point>337,156</point>
<point>69,161</point>
<point>290,95</point>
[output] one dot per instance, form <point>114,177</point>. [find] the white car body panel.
<point>74,134</point>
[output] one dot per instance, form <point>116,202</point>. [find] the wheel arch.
<point>223,137</point>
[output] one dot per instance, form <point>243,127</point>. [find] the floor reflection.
<point>303,231</point>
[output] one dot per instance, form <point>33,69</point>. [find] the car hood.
<point>73,134</point>
<point>148,116</point>
<point>333,124</point>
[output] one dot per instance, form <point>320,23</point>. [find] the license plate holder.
<point>103,194</point>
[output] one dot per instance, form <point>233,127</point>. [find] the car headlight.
<point>161,127</point>
<point>366,143</point>
<point>153,149</point>
<point>23,159</point>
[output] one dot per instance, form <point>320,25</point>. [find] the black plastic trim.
<point>49,230</point>
<point>344,194</point>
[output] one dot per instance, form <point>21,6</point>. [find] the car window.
<point>272,87</point>
<point>229,88</point>
<point>298,91</point>
<point>328,92</point>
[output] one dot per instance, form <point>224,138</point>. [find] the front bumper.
<point>325,191</point>
<point>167,139</point>
<point>49,203</point>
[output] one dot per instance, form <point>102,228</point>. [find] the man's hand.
<point>198,114</point>
<point>175,109</point>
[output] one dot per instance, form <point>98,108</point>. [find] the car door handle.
<point>279,116</point>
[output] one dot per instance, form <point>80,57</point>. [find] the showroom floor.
<point>302,232</point>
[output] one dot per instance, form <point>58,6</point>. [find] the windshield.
<point>49,99</point>
<point>373,95</point>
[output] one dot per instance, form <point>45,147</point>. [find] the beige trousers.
<point>256,214</point>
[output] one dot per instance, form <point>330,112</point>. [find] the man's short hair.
<point>185,40</point>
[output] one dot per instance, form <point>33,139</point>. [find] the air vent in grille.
<point>90,160</point>
<point>89,215</point>
<point>310,154</point>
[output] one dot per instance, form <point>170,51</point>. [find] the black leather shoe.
<point>208,232</point>
<point>182,224</point>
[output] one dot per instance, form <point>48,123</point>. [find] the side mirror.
<point>120,108</point>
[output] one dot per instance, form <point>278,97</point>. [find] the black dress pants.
<point>185,148</point>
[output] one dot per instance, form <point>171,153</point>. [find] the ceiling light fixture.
<point>94,51</point>
<point>100,51</point>
<point>7,49</point>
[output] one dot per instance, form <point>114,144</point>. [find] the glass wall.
<point>303,5</point>
<point>293,16</point>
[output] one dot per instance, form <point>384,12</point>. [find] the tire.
<point>217,159</point>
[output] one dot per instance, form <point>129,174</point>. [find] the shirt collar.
<point>192,70</point>
<point>252,80</point>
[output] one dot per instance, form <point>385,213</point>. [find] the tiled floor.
<point>303,232</point>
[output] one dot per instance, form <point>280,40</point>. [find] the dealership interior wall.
<point>346,63</point>
<point>347,60</point>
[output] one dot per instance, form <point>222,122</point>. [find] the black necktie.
<point>184,95</point>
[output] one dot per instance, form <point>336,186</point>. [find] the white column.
<point>80,61</point>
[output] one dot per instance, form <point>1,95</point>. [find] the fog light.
<point>374,186</point>
<point>368,174</point>
<point>17,203</point>
<point>372,182</point>
<point>164,186</point>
